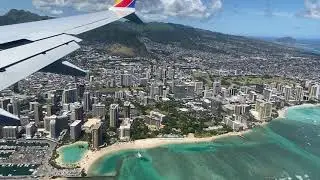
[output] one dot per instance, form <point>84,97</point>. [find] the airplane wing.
<point>29,47</point>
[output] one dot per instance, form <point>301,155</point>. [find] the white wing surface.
<point>29,47</point>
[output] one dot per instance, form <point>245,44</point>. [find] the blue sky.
<point>267,18</point>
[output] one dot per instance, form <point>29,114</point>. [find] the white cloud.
<point>149,9</point>
<point>56,12</point>
<point>312,9</point>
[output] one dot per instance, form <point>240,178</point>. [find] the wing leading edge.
<point>29,47</point>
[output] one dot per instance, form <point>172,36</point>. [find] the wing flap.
<point>15,55</point>
<point>69,25</point>
<point>23,69</point>
<point>64,67</point>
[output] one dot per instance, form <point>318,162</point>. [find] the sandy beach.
<point>283,112</point>
<point>91,156</point>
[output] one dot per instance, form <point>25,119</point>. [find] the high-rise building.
<point>267,93</point>
<point>75,129</point>
<point>76,112</point>
<point>91,78</point>
<point>49,109</point>
<point>258,103</point>
<point>264,110</point>
<point>170,73</point>
<point>52,98</point>
<point>299,93</point>
<point>118,94</point>
<point>69,96</point>
<point>216,88</point>
<point>10,132</point>
<point>32,105</point>
<point>80,90</point>
<point>114,115</point>
<point>314,92</point>
<point>238,110</point>
<point>25,120</point>
<point>38,115</point>
<point>53,129</point>
<point>154,90</point>
<point>124,130</point>
<point>252,96</point>
<point>224,92</point>
<point>232,91</point>
<point>99,110</point>
<point>127,108</point>
<point>66,107</point>
<point>16,106</point>
<point>165,92</point>
<point>57,125</point>
<point>62,122</point>
<point>10,108</point>
<point>47,120</point>
<point>31,129</point>
<point>279,87</point>
<point>87,101</point>
<point>96,136</point>
<point>287,93</point>
<point>126,80</point>
<point>148,74</point>
<point>4,103</point>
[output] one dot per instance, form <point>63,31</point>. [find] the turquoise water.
<point>284,149</point>
<point>73,153</point>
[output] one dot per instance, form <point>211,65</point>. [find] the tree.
<point>139,130</point>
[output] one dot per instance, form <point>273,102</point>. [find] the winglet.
<point>125,3</point>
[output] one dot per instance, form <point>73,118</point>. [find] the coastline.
<point>91,157</point>
<point>282,113</point>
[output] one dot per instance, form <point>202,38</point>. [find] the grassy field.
<point>204,77</point>
<point>121,50</point>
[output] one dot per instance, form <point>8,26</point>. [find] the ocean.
<point>284,149</point>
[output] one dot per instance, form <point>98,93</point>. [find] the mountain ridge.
<point>132,36</point>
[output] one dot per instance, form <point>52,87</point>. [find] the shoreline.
<point>282,113</point>
<point>91,157</point>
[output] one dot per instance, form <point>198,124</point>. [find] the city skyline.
<point>263,18</point>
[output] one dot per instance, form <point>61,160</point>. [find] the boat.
<point>139,155</point>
